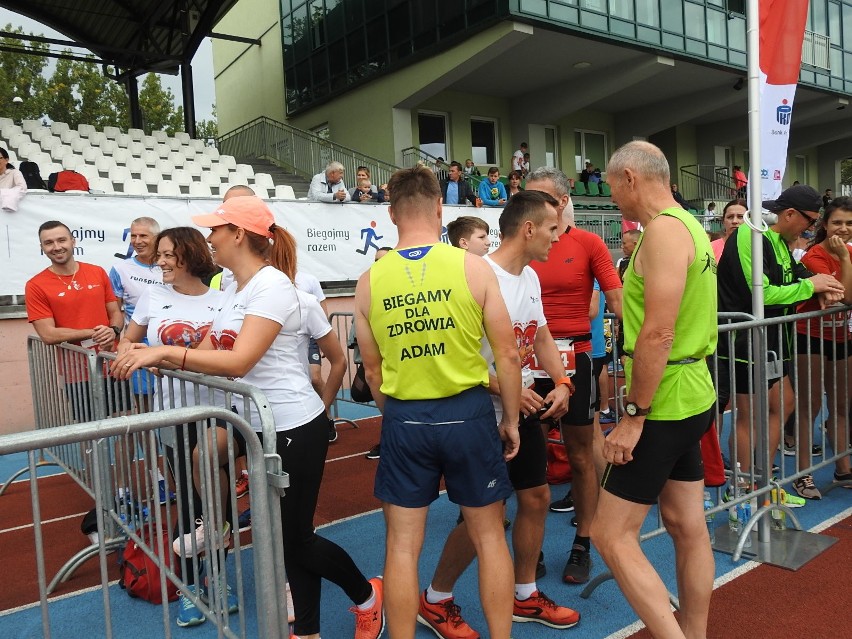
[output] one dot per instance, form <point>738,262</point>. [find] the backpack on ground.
<point>67,181</point>
<point>32,175</point>
<point>139,575</point>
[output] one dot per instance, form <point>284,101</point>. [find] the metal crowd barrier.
<point>116,451</point>
<point>760,539</point>
<point>344,325</point>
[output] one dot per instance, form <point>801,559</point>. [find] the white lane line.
<point>46,521</point>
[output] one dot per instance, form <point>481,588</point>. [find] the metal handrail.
<point>705,182</point>
<point>302,152</point>
<point>412,155</point>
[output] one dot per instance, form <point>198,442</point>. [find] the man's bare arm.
<point>370,355</point>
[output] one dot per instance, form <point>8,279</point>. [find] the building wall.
<point>249,79</point>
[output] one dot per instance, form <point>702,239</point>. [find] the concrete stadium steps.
<point>279,176</point>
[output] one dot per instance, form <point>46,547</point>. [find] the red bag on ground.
<point>139,575</point>
<point>558,467</point>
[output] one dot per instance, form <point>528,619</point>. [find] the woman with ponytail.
<point>260,336</point>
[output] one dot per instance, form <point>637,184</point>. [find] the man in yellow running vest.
<point>420,314</point>
<point>654,452</point>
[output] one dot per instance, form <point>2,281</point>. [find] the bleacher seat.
<point>166,167</point>
<point>79,145</point>
<point>27,149</point>
<point>103,163</point>
<point>111,132</point>
<point>182,137</point>
<point>593,189</point>
<point>200,189</point>
<point>89,172</point>
<point>234,177</point>
<point>69,136</point>
<point>4,122</point>
<point>176,158</point>
<point>149,141</point>
<point>204,161</point>
<point>198,145</point>
<point>12,157</point>
<point>221,171</point>
<point>135,165</point>
<point>135,187</point>
<point>47,168</point>
<point>118,174</point>
<point>182,177</point>
<point>101,184</point>
<point>162,150</point>
<point>108,147</point>
<point>59,151</point>
<point>50,142</point>
<point>174,144</point>
<point>231,163</point>
<point>263,180</point>
<point>246,170</point>
<point>96,138</point>
<point>167,187</point>
<point>579,189</point>
<point>136,148</point>
<point>59,127</point>
<point>86,130</point>
<point>120,155</point>
<point>150,157</point>
<point>210,178</point>
<point>285,191</point>
<point>89,154</point>
<point>213,152</point>
<point>193,168</point>
<point>136,134</point>
<point>18,139</point>
<point>260,191</point>
<point>72,162</point>
<point>30,125</point>
<point>40,134</point>
<point>160,136</point>
<point>151,176</point>
<point>123,140</point>
<point>606,191</point>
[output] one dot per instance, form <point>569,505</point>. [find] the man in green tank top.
<point>419,317</point>
<point>654,452</point>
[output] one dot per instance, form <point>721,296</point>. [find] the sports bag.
<point>139,575</point>
<point>558,467</point>
<point>32,175</point>
<point>67,181</point>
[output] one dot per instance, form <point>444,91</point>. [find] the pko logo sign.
<point>784,113</point>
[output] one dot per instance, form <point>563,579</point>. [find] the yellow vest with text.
<point>426,323</point>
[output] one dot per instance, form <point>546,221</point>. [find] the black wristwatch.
<point>117,330</point>
<point>633,410</point>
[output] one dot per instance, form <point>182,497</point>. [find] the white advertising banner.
<point>337,242</point>
<point>782,31</point>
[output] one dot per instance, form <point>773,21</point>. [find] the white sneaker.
<point>183,546</point>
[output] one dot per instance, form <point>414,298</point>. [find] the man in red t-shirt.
<point>71,301</point>
<point>567,280</point>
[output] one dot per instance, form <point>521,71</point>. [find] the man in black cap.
<point>785,283</point>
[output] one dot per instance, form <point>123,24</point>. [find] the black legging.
<point>309,558</point>
<point>191,506</point>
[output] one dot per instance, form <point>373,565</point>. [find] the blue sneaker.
<point>188,612</point>
<point>223,591</point>
<point>607,417</point>
<point>166,496</point>
<point>244,519</point>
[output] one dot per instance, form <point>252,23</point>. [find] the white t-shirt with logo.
<point>129,278</point>
<point>522,294</point>
<point>175,319</point>
<point>282,371</point>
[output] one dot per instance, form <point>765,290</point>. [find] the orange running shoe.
<point>444,619</point>
<point>370,623</point>
<point>542,609</point>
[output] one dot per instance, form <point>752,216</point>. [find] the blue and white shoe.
<point>166,496</point>
<point>223,591</point>
<point>188,613</point>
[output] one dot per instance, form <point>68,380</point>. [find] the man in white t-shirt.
<point>518,157</point>
<point>528,227</point>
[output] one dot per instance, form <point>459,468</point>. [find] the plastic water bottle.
<point>744,515</point>
<point>708,516</point>
<point>779,517</point>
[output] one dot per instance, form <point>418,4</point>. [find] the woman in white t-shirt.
<point>260,337</point>
<point>180,313</point>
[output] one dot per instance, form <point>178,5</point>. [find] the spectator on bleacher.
<point>785,282</point>
<point>454,189</point>
<point>824,347</point>
<point>470,169</point>
<point>365,192</point>
<point>362,173</point>
<point>526,169</point>
<point>678,197</point>
<point>518,157</point>
<point>710,211</point>
<point>260,336</point>
<point>732,217</point>
<point>328,186</point>
<point>13,187</point>
<point>513,184</point>
<point>827,197</point>
<point>160,316</point>
<point>491,191</point>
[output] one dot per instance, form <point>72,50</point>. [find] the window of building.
<point>590,146</point>
<point>483,141</point>
<point>551,146</point>
<point>433,134</point>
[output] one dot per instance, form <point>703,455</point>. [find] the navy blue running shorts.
<point>455,438</point>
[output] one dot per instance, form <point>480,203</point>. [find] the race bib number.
<point>569,360</point>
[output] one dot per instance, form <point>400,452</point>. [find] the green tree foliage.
<point>208,130</point>
<point>157,104</point>
<point>846,172</point>
<point>58,101</point>
<point>21,75</point>
<point>103,102</point>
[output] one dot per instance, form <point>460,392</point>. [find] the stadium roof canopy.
<point>136,36</point>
